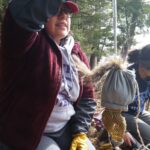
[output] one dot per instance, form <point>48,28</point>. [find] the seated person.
<point>140,62</point>
<point>44,104</point>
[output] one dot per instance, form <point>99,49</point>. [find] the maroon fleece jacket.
<point>30,77</point>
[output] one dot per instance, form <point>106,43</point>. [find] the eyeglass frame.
<point>66,10</point>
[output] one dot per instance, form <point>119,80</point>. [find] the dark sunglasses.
<point>65,10</point>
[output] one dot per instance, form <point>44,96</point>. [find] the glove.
<point>79,142</point>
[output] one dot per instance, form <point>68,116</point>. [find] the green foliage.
<point>93,27</point>
<point>3,4</point>
<point>129,17</point>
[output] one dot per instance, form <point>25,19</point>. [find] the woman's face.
<point>144,73</point>
<point>58,26</point>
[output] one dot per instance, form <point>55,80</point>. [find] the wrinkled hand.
<point>79,142</point>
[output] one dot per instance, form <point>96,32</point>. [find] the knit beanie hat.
<point>118,91</point>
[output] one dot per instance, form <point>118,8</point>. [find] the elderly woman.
<point>44,104</point>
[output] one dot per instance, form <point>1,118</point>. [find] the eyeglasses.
<point>65,10</point>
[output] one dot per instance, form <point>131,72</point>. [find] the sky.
<point>142,40</point>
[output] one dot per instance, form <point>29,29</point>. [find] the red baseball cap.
<point>72,5</point>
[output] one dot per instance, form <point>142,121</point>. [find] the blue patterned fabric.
<point>144,89</point>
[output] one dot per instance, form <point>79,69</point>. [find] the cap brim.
<point>73,6</point>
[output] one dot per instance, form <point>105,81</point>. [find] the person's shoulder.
<point>76,47</point>
<point>77,50</point>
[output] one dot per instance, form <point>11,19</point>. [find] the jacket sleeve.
<point>32,14</point>
<point>22,19</point>
<point>86,105</point>
<point>81,121</point>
